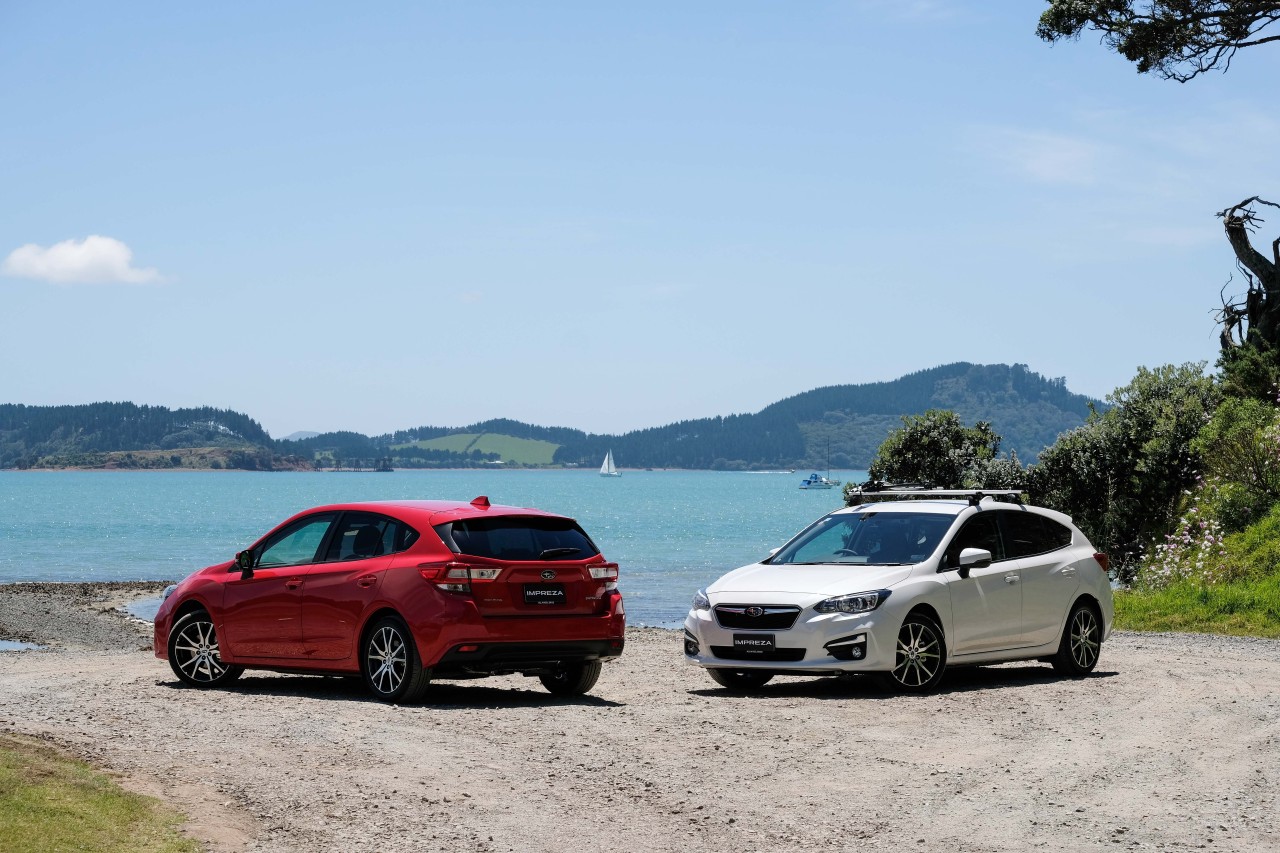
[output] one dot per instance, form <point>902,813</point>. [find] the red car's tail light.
<point>1104,561</point>
<point>457,577</point>
<point>603,571</point>
<point>607,572</point>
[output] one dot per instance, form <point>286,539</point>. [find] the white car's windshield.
<point>873,538</point>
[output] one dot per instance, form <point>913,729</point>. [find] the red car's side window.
<point>297,544</point>
<point>361,535</point>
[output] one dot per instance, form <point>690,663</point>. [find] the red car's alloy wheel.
<point>193,652</point>
<point>390,662</point>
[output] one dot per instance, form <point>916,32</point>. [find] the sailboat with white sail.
<point>608,469</point>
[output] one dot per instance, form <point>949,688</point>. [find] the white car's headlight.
<point>700,600</point>
<point>858,602</point>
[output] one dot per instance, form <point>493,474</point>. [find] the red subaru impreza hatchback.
<point>401,592</point>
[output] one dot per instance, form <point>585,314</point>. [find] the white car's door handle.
<point>1069,571</point>
<point>1010,578</point>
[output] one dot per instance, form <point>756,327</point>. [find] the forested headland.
<point>839,425</point>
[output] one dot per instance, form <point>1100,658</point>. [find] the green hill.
<point>521,451</point>
<point>1027,409</point>
<point>124,435</point>
<point>847,421</point>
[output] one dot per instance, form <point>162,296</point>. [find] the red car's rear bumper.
<point>522,644</point>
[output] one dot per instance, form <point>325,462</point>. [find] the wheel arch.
<point>373,617</point>
<point>1092,601</point>
<point>191,605</point>
<point>1088,598</point>
<point>928,611</point>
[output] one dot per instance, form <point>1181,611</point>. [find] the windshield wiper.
<point>551,553</point>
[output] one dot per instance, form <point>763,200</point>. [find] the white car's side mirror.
<point>973,558</point>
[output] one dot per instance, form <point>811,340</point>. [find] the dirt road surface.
<point>1173,744</point>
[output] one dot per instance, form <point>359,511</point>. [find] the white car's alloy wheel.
<point>921,655</point>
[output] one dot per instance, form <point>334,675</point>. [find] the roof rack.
<point>974,496</point>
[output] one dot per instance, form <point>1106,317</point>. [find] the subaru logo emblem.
<point>755,612</point>
<point>548,574</point>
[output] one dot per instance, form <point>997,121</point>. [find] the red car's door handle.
<point>366,581</point>
<point>293,583</point>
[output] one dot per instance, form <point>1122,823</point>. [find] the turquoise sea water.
<point>671,531</point>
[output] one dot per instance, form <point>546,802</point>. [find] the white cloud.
<point>93,260</point>
<point>1047,157</point>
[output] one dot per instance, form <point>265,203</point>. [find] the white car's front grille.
<point>757,617</point>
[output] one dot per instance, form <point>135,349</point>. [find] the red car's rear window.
<point>518,538</point>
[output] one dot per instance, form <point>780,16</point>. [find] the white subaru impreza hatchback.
<point>904,588</point>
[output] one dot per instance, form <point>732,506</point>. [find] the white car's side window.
<point>981,531</point>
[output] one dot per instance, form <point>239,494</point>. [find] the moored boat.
<point>817,481</point>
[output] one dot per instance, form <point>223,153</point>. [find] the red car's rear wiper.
<point>552,553</point>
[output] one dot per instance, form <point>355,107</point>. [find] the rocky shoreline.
<point>77,616</point>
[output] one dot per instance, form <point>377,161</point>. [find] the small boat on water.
<point>608,469</point>
<point>817,481</point>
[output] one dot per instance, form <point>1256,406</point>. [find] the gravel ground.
<point>1173,744</point>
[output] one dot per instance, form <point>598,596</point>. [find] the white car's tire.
<point>740,680</point>
<point>1081,642</point>
<point>920,656</point>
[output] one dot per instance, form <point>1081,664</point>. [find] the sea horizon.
<point>672,531</point>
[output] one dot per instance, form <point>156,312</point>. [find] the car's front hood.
<point>791,583</point>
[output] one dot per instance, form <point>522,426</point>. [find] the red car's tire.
<point>193,652</point>
<point>390,664</point>
<point>572,680</point>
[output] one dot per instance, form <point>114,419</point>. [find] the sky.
<point>607,216</point>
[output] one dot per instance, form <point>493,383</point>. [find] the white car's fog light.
<point>848,648</point>
<point>690,644</point>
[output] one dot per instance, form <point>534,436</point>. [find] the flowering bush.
<point>1224,532</point>
<point>1202,549</point>
<point>1195,550</point>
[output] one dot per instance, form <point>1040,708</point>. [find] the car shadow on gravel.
<point>441,694</point>
<point>967,679</point>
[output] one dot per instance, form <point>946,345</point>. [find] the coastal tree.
<point>936,449</point>
<point>1172,39</point>
<point>1122,477</point>
<point>1250,339</point>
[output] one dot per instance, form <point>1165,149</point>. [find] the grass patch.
<point>50,803</point>
<point>520,451</point>
<point>1241,609</point>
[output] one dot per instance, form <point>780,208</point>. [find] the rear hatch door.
<point>529,565</point>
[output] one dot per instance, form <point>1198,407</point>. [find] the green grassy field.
<point>50,803</point>
<point>1245,609</point>
<point>521,451</point>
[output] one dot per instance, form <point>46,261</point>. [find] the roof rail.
<point>974,496</point>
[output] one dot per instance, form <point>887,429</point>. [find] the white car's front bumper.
<point>815,642</point>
